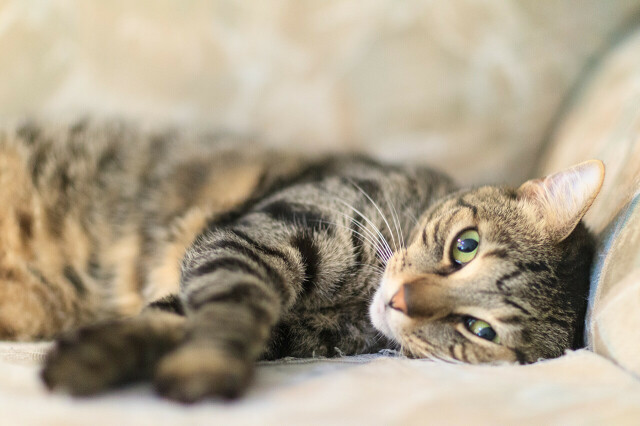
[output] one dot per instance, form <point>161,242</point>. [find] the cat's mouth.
<point>379,311</point>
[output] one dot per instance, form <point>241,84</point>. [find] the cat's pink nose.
<point>397,302</point>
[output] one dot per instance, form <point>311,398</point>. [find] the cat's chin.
<point>378,313</point>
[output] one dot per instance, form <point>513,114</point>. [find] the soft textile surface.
<point>449,80</point>
<point>580,388</point>
<point>604,123</point>
<point>614,317</point>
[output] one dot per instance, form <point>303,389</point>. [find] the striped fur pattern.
<point>179,258</point>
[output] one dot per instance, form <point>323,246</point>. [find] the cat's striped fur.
<point>244,254</point>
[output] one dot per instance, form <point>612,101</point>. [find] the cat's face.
<point>494,274</point>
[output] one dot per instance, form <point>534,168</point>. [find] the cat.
<point>183,257</point>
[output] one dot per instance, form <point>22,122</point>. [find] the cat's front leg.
<point>234,290</point>
<point>217,359</point>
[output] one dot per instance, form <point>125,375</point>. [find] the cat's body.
<point>255,254</point>
<point>112,211</point>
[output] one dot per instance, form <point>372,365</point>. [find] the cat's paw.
<point>102,356</point>
<point>192,373</point>
<point>87,361</point>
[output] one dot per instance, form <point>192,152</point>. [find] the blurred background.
<point>474,87</point>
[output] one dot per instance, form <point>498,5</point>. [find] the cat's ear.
<point>561,199</point>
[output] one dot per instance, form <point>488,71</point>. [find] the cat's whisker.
<point>362,238</point>
<point>376,268</point>
<point>380,235</point>
<point>379,336</point>
<point>412,216</point>
<point>371,237</point>
<point>422,349</point>
<point>355,222</point>
<point>386,249</point>
<point>380,268</point>
<point>448,359</point>
<point>384,218</point>
<point>436,358</point>
<point>393,218</point>
<point>403,348</point>
<point>396,221</point>
<point>402,234</point>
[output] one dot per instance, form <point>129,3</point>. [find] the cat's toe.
<point>192,373</point>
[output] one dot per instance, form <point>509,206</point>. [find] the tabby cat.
<point>180,258</point>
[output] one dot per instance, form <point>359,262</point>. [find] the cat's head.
<point>494,273</point>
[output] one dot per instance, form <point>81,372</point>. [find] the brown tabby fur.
<point>242,254</point>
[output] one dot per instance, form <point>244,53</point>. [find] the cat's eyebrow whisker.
<point>384,218</point>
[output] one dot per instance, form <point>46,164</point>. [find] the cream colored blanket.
<point>580,388</point>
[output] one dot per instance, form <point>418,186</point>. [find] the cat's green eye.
<point>481,329</point>
<point>465,246</point>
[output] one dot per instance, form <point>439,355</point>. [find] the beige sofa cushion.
<point>604,123</point>
<point>448,80</point>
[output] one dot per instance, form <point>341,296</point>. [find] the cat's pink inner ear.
<point>562,199</point>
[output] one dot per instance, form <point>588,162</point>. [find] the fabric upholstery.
<point>604,123</point>
<point>449,80</point>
